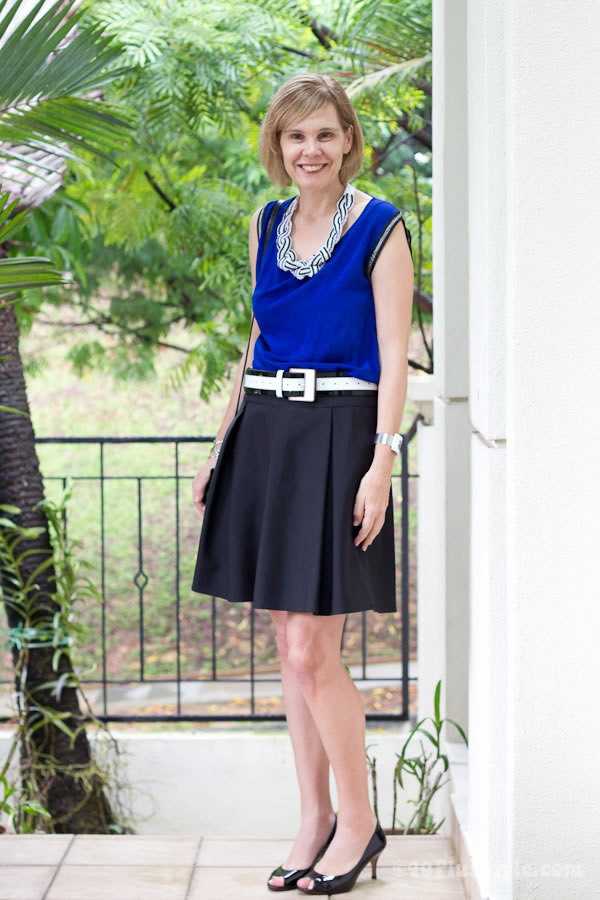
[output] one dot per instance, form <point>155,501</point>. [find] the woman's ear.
<point>349,139</point>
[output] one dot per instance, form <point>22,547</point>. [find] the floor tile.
<point>243,851</point>
<point>229,883</point>
<point>419,884</point>
<point>157,867</point>
<point>247,851</point>
<point>33,849</point>
<point>216,883</point>
<point>24,882</point>
<point>120,883</point>
<point>132,850</point>
<point>419,850</point>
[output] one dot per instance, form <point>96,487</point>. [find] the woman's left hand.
<point>371,502</point>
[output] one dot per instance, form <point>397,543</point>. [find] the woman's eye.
<point>323,134</point>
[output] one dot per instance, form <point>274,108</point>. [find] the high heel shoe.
<point>291,876</point>
<point>339,884</point>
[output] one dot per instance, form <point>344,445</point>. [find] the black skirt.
<point>277,530</point>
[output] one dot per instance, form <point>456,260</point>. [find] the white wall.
<point>234,781</point>
<point>534,333</point>
<point>486,833</point>
<point>553,435</point>
<point>444,525</point>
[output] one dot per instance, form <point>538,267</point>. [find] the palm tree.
<point>49,67</point>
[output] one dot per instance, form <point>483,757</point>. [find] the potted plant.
<point>427,767</point>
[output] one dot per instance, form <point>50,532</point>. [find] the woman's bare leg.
<point>337,709</point>
<point>312,765</point>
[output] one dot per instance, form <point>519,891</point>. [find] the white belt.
<point>308,383</point>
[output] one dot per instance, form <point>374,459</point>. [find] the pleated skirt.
<point>277,529</point>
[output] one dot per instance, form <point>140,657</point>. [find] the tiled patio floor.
<point>153,867</point>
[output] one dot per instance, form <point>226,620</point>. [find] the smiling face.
<point>313,148</point>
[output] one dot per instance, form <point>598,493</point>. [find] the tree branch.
<point>323,33</point>
<point>295,50</point>
<point>104,323</point>
<point>143,337</point>
<point>159,191</point>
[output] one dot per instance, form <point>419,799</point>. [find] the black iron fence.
<point>152,644</point>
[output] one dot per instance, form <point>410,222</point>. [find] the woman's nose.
<point>311,148</point>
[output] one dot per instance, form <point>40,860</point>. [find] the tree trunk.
<point>64,795</point>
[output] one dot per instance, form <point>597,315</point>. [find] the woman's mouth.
<point>311,168</point>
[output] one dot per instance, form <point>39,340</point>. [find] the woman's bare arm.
<point>393,285</point>
<point>393,288</point>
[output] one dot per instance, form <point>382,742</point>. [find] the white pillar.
<point>553,441</point>
<point>443,652</point>
<point>484,827</point>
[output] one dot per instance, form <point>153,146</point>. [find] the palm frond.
<point>35,271</point>
<point>50,58</point>
<point>87,125</point>
<point>8,225</point>
<point>376,78</point>
<point>47,64</point>
<point>18,273</point>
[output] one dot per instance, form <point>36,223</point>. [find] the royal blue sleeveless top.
<point>324,321</point>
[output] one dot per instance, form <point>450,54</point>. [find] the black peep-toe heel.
<point>291,876</point>
<point>340,884</point>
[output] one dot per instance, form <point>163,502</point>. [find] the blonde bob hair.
<point>299,97</point>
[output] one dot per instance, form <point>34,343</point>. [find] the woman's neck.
<point>319,202</point>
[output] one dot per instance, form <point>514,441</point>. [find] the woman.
<point>298,518</point>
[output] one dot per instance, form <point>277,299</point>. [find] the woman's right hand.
<point>200,481</point>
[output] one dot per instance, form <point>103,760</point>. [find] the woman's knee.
<point>310,655</point>
<point>312,649</point>
<point>280,622</point>
<point>305,660</point>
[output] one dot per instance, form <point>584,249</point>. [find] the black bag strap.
<point>259,223</point>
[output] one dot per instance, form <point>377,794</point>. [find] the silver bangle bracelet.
<point>214,450</point>
<point>393,441</point>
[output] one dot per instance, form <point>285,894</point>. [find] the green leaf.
<point>431,737</point>
<point>17,274</point>
<point>46,68</point>
<point>459,729</point>
<point>436,703</point>
<point>9,409</point>
<point>8,225</point>
<point>6,523</point>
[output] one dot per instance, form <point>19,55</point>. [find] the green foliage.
<point>384,53</point>
<point>427,771</point>
<point>162,240</point>
<point>40,89</point>
<point>16,274</point>
<point>36,629</point>
<point>19,809</point>
<point>197,62</point>
<point>44,70</point>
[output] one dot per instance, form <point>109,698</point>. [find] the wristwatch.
<point>392,440</point>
